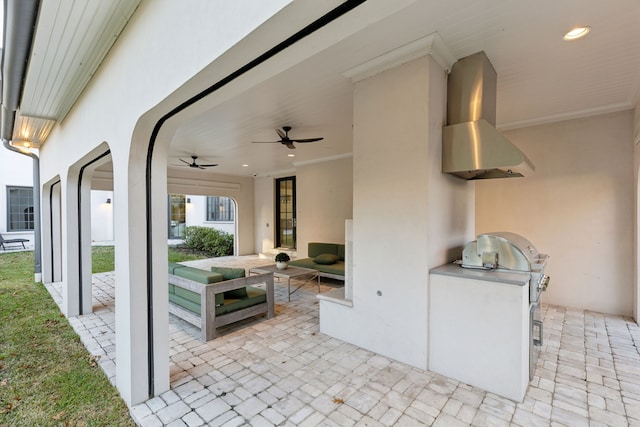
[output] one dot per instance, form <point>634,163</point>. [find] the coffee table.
<point>289,273</point>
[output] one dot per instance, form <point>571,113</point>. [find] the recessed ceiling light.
<point>577,33</point>
<point>291,155</point>
<point>26,144</point>
<point>245,165</point>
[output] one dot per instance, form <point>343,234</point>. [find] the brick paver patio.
<point>283,372</point>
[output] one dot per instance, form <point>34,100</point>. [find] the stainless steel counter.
<point>510,277</point>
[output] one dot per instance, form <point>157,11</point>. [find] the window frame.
<point>30,220</point>
<point>214,214</point>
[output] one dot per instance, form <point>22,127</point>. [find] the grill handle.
<point>538,341</point>
<point>544,283</point>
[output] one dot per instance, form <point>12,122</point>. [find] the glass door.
<point>286,212</point>
<point>177,216</point>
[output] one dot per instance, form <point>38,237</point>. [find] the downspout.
<point>37,240</point>
<point>19,26</point>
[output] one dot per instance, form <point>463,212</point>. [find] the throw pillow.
<point>326,259</point>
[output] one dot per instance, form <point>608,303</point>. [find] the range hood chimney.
<point>472,148</point>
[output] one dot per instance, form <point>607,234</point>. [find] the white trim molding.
<point>429,45</point>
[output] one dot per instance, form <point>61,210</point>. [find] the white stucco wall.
<point>15,170</point>
<point>196,215</point>
<point>240,189</point>
<point>324,202</point>
<point>406,215</point>
<point>577,207</point>
<point>264,225</point>
<point>101,216</point>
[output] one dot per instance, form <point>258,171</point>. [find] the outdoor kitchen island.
<point>479,328</point>
<point>485,325</point>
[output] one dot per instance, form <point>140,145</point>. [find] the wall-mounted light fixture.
<point>108,201</point>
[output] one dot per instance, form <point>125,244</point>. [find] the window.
<point>177,216</point>
<point>220,209</point>
<point>19,208</point>
<point>286,212</point>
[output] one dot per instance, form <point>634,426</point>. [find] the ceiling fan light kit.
<point>286,141</point>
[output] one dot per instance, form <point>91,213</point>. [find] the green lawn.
<point>47,378</point>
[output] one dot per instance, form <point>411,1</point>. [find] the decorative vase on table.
<point>282,261</point>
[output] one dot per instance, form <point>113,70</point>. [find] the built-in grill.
<point>504,251</point>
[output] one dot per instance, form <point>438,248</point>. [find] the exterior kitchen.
<point>482,307</point>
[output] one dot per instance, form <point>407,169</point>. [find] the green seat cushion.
<point>229,273</point>
<point>304,263</point>
<point>337,268</point>
<point>191,301</point>
<point>254,296</point>
<point>326,259</point>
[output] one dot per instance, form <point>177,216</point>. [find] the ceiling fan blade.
<point>209,166</point>
<point>307,140</point>
<point>290,145</point>
<point>265,142</point>
<point>281,134</point>
<point>185,162</point>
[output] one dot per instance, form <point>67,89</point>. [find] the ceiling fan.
<point>195,165</point>
<point>285,140</point>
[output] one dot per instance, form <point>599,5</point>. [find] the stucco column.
<point>70,247</point>
<point>636,223</point>
<point>142,355</point>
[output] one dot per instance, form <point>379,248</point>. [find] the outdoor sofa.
<point>327,258</point>
<point>211,299</point>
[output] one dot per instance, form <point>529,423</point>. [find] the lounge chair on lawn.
<point>4,242</point>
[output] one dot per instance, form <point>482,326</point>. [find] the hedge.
<point>208,240</point>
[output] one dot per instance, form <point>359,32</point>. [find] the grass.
<point>47,377</point>
<point>103,257</point>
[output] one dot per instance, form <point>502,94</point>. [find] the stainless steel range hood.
<point>472,148</point>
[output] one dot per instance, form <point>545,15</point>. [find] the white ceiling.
<point>541,78</point>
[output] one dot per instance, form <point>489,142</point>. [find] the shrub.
<point>208,240</point>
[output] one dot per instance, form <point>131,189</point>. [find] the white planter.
<point>282,265</point>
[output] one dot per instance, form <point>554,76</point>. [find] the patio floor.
<point>283,372</point>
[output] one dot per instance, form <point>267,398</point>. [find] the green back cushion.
<point>315,249</point>
<point>326,259</point>
<point>189,299</point>
<point>197,275</point>
<point>173,266</point>
<point>230,273</point>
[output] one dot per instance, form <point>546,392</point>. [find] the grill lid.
<point>503,250</point>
